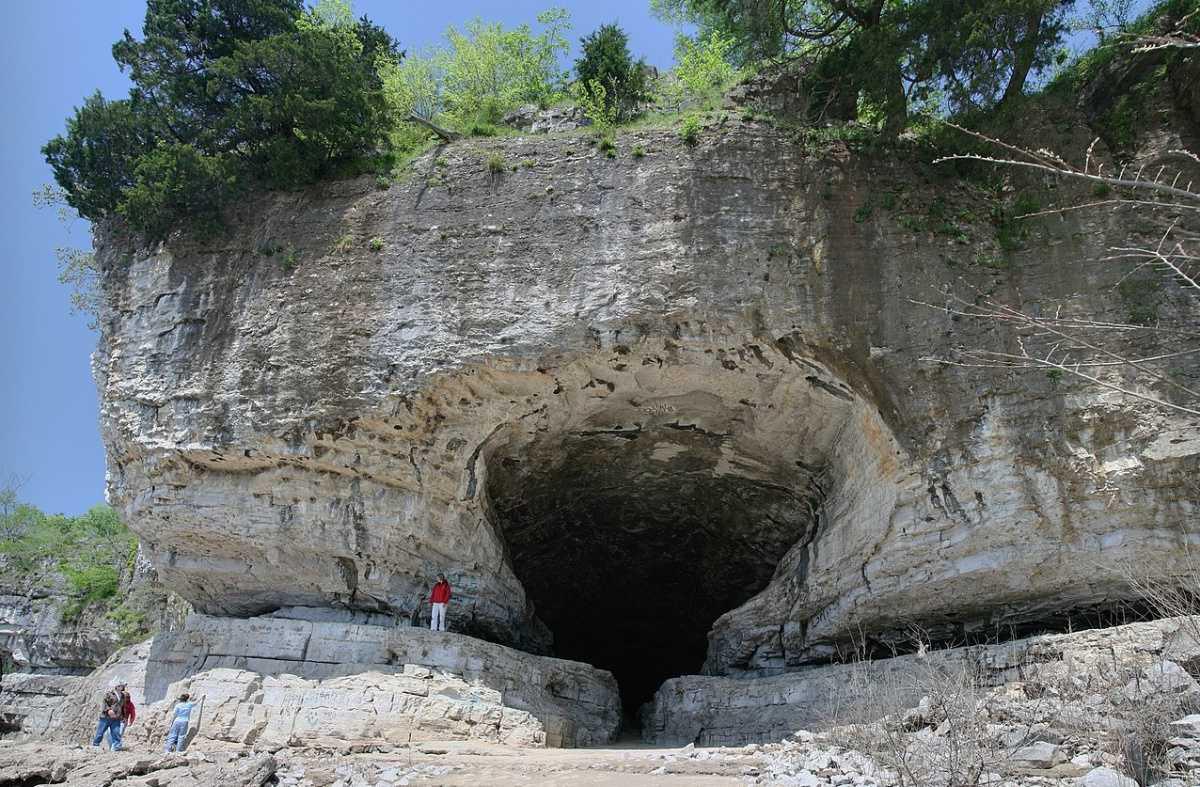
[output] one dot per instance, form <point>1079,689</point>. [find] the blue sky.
<point>52,54</point>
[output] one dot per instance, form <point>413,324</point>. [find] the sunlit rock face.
<point>679,406</point>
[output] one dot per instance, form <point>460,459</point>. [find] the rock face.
<point>1086,673</point>
<point>276,682</point>
<point>39,634</point>
<point>34,636</point>
<point>656,413</point>
<point>29,702</point>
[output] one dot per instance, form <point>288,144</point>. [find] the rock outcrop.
<point>655,413</point>
<point>1093,675</point>
<point>44,629</point>
<point>276,682</point>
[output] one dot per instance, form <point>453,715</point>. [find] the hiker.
<point>129,714</point>
<point>182,713</point>
<point>112,714</point>
<point>438,599</point>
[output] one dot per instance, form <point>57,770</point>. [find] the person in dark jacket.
<point>112,715</point>
<point>439,599</point>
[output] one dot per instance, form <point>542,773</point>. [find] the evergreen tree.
<point>605,60</point>
<point>226,94</point>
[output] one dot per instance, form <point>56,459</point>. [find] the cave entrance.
<point>631,541</point>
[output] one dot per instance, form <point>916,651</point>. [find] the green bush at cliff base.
<point>226,94</point>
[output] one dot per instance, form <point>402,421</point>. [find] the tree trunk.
<point>895,107</point>
<point>444,133</point>
<point>1024,55</point>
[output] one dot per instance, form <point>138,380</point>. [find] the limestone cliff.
<point>671,409</point>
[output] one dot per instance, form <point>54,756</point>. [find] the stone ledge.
<point>409,683</point>
<point>729,711</point>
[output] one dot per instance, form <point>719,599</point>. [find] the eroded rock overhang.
<point>335,434</point>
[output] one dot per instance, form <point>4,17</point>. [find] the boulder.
<point>1106,777</point>
<point>1041,755</point>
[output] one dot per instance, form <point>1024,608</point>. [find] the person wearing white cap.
<point>112,714</point>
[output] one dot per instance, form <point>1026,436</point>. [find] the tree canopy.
<point>481,72</point>
<point>226,94</point>
<point>608,73</point>
<point>884,56</point>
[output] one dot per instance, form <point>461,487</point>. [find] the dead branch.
<point>445,133</point>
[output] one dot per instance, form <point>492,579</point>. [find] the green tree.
<point>605,60</point>
<point>485,70</point>
<point>227,94</point>
<point>986,57</point>
<point>879,56</point>
<point>16,518</point>
<point>413,86</point>
<point>702,68</point>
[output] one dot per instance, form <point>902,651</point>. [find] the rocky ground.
<point>1116,707</point>
<point>805,760</point>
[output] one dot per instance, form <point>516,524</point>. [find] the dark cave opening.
<point>631,543</point>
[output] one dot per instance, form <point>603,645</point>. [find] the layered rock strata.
<point>1092,676</point>
<point>634,400</point>
<point>289,682</point>
<point>29,702</point>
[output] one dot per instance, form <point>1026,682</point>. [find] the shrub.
<point>702,72</point>
<point>638,151</point>
<point>290,258</point>
<point>496,164</point>
<point>487,70</point>
<point>375,244</point>
<point>131,624</point>
<point>597,106</point>
<point>891,714</point>
<point>89,583</point>
<point>605,61</point>
<point>689,129</point>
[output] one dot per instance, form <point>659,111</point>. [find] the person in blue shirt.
<point>177,737</point>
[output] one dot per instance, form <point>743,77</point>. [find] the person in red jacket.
<point>130,713</point>
<point>438,599</point>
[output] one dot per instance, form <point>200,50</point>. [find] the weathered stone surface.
<point>283,681</point>
<point>546,121</point>
<point>717,711</point>
<point>29,701</point>
<point>85,767</point>
<point>1106,777</point>
<point>37,635</point>
<point>553,383</point>
<point>370,707</point>
<point>34,635</point>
